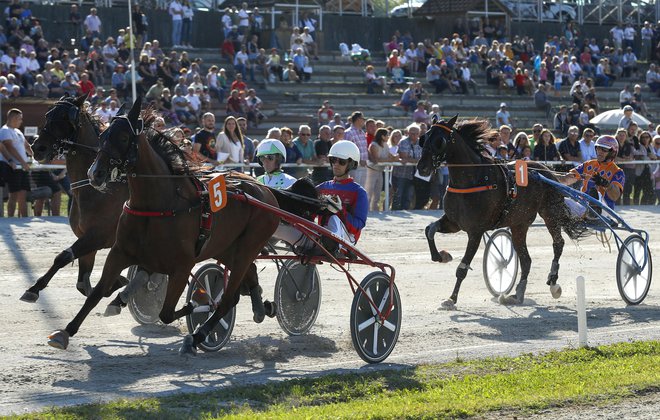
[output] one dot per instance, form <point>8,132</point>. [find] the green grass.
<point>522,384</point>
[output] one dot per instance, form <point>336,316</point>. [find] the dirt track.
<point>115,357</point>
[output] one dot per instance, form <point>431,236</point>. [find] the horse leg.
<point>474,239</point>
<point>114,264</point>
<point>557,248</point>
<point>176,283</point>
<point>443,225</point>
<point>250,286</point>
<point>121,300</point>
<point>63,258</point>
<point>519,240</point>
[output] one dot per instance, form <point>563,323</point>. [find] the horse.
<point>482,195</point>
<point>162,227</point>
<point>93,218</point>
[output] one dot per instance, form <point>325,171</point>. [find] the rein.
<point>472,189</point>
<point>166,213</point>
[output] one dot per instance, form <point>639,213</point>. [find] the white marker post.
<point>581,312</point>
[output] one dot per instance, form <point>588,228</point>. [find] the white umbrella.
<point>611,118</point>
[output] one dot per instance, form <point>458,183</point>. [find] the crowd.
<point>184,90</point>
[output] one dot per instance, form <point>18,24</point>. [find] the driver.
<point>344,200</point>
<point>271,154</point>
<point>601,177</point>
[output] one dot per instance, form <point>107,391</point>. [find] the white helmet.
<point>345,149</point>
<point>271,147</point>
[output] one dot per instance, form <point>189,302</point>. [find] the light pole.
<point>130,27</point>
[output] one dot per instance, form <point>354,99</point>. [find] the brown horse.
<point>161,224</point>
<point>482,196</point>
<point>94,215</point>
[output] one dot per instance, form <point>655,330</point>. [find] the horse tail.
<point>575,228</point>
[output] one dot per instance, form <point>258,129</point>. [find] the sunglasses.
<point>536,131</point>
<point>267,157</point>
<point>334,160</point>
<point>602,149</point>
<point>657,143</point>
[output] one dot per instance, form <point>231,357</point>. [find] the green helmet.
<point>271,147</point>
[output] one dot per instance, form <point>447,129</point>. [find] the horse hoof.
<point>555,291</point>
<point>271,309</point>
<point>188,347</point>
<point>445,257</point>
<point>84,287</point>
<point>508,300</point>
<point>258,318</point>
<point>448,305</point>
<point>112,310</point>
<point>29,297</point>
<point>59,340</point>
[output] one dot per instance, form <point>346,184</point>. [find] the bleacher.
<point>342,83</point>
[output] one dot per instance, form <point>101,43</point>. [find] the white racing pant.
<point>293,237</point>
<point>578,210</point>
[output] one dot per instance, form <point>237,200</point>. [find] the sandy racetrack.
<point>113,357</point>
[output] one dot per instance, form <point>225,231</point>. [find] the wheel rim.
<point>374,339</point>
<point>211,277</point>
<point>297,296</point>
<point>634,270</point>
<point>147,297</point>
<point>500,263</point>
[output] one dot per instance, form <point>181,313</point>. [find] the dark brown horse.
<point>160,226</point>
<point>93,218</point>
<point>482,196</point>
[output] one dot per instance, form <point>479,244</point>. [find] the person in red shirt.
<point>86,85</point>
<point>239,84</point>
<point>370,130</point>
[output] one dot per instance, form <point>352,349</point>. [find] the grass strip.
<point>460,389</point>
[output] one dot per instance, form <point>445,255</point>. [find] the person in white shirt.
<point>243,20</point>
<point>92,23</point>
<point>194,101</point>
<point>629,34</point>
<point>15,150</point>
<point>176,11</point>
<point>226,22</point>
<point>309,43</point>
<point>587,145</point>
<point>574,68</point>
<point>103,113</point>
<point>629,63</point>
<point>411,58</point>
<point>617,36</point>
<point>647,42</point>
<point>653,78</point>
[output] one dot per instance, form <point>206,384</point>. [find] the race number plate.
<point>218,193</point>
<point>521,173</point>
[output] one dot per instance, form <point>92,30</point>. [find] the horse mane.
<point>178,161</point>
<point>476,133</point>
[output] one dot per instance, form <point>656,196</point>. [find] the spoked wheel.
<point>374,338</point>
<point>297,296</point>
<point>500,264</point>
<point>147,295</point>
<point>205,295</point>
<point>634,268</point>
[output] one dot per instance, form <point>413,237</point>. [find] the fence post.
<point>581,312</point>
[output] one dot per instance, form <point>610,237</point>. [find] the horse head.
<point>62,125</point>
<point>119,143</point>
<point>434,145</point>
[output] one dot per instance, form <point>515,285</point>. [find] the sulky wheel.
<point>297,296</point>
<point>500,264</point>
<point>634,268</point>
<point>373,338</point>
<point>209,287</point>
<point>147,294</point>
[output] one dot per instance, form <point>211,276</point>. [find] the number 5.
<point>218,192</point>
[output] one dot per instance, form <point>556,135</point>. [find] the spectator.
<point>325,114</point>
<point>230,142</point>
<point>503,117</point>
<point>85,85</point>
<point>336,122</point>
<point>322,146</point>
<point>176,12</point>
<point>309,43</point>
<point>629,35</point>
<point>561,120</point>
<point>536,134</point>
<point>637,101</point>
<point>546,150</point>
<point>409,151</point>
<point>234,104</point>
<point>274,64</point>
<point>625,96</point>
<point>306,147</point>
<point>505,140</point>
<point>373,80</point>
<point>182,108</point>
<point>40,88</point>
<point>587,145</point>
<point>378,152</point>
<point>238,84</point>
<point>626,120</point>
<point>569,148</point>
<point>625,154</point>
<point>140,27</point>
<point>541,100</point>
<point>15,150</point>
<point>195,102</point>
<point>420,115</point>
<point>293,154</point>
<point>519,143</point>
<point>653,78</point>
<point>408,99</point>
<point>248,143</point>
<point>643,188</point>
<point>253,110</point>
<point>92,23</point>
<point>629,63</point>
<point>204,143</point>
<point>289,74</point>
<point>186,23</point>
<point>358,136</point>
<point>370,128</point>
<point>574,114</point>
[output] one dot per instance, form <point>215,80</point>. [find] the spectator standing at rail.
<point>175,10</point>
<point>92,23</point>
<point>15,150</point>
<point>356,135</point>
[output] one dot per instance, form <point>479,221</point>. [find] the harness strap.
<point>166,213</point>
<point>472,189</point>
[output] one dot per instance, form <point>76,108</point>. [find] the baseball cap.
<point>503,104</point>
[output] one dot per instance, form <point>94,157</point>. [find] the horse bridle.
<point>438,155</point>
<point>63,145</point>
<point>120,162</point>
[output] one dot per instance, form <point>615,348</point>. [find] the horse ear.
<point>134,113</point>
<point>80,100</point>
<point>435,119</point>
<point>121,110</point>
<point>452,121</point>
